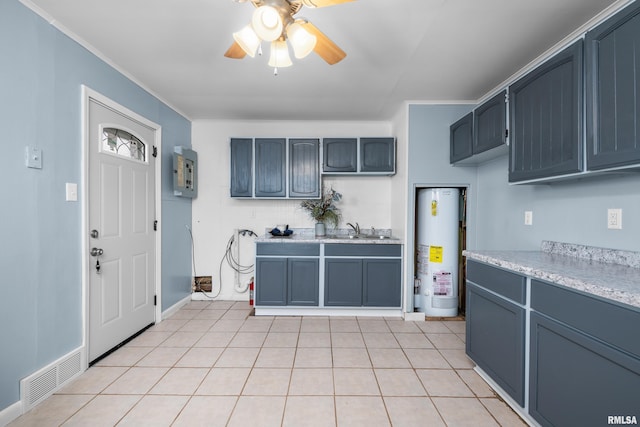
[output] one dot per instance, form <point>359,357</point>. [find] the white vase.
<point>320,229</point>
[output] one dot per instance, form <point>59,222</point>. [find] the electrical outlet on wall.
<point>614,219</point>
<point>528,217</point>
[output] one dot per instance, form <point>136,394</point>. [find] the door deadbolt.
<point>94,234</point>
<point>96,251</point>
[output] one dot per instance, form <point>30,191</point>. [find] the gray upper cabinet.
<point>377,155</point>
<point>364,156</point>
<point>461,139</point>
<point>340,154</point>
<point>489,124</point>
<point>546,119</point>
<point>271,155</point>
<point>304,168</point>
<point>241,167</point>
<point>613,91</point>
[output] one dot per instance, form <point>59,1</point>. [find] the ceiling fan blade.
<point>235,52</point>
<point>323,3</point>
<point>325,48</point>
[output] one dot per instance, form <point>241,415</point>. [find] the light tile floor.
<point>212,364</point>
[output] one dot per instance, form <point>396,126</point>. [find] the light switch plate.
<point>33,157</point>
<point>71,189</point>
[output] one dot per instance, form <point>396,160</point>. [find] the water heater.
<point>438,252</point>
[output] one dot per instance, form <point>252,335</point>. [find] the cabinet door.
<point>302,281</point>
<point>576,380</point>
<point>381,283</point>
<point>377,155</point>
<point>546,119</point>
<point>343,282</point>
<point>495,339</point>
<point>270,167</point>
<point>461,139</point>
<point>271,281</point>
<point>613,91</point>
<point>241,167</point>
<point>489,124</point>
<point>304,168</point>
<point>340,154</point>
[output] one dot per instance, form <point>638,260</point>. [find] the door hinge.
<point>155,151</point>
<point>506,133</point>
<point>155,300</point>
<point>155,225</point>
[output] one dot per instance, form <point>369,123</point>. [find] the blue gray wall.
<point>569,211</point>
<point>41,73</point>
<point>572,211</point>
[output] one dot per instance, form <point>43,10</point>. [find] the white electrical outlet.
<point>528,217</point>
<point>614,219</point>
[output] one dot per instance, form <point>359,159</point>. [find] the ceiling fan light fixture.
<point>302,42</point>
<point>267,23</point>
<point>279,56</point>
<point>248,40</point>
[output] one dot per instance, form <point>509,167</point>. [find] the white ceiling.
<point>397,50</point>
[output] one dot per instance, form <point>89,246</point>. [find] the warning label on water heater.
<point>442,284</point>
<point>435,254</point>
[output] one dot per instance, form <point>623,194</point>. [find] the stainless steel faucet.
<point>356,228</point>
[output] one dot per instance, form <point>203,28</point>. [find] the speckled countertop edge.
<point>620,283</point>
<point>307,235</point>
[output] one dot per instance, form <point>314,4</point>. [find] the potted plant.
<point>323,210</point>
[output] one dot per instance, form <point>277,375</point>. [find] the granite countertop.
<point>307,235</point>
<point>610,274</point>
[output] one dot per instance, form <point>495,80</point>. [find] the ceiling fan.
<point>274,21</point>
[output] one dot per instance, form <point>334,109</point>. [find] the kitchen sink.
<point>357,236</point>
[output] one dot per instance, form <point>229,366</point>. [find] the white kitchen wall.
<point>366,200</point>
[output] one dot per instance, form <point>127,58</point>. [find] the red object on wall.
<point>251,292</point>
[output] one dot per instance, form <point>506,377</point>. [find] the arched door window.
<point>124,144</point>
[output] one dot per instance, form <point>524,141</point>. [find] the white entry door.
<point>121,219</point>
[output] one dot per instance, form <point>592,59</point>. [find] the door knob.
<point>96,251</point>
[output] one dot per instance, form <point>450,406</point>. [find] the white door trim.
<point>88,94</point>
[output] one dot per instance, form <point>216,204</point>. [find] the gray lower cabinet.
<point>287,274</point>
<point>585,358</point>
<point>366,275</point>
<point>302,281</point>
<point>546,117</point>
<point>343,282</point>
<point>613,91</point>
<point>495,325</point>
<point>381,282</point>
<point>271,281</point>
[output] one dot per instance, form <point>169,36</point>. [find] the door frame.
<point>87,95</point>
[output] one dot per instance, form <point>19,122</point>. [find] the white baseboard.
<point>174,308</point>
<point>414,317</point>
<point>205,296</point>
<point>10,413</point>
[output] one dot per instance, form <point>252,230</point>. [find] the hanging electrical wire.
<point>234,263</point>
<point>228,256</point>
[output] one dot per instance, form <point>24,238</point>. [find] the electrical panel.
<point>185,172</point>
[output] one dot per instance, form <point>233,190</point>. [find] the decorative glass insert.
<point>123,143</point>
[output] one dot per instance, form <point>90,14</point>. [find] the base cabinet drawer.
<point>576,380</point>
<point>495,339</point>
